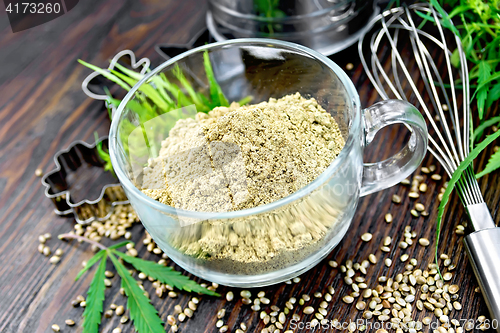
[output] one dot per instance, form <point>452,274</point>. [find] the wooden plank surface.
<point>42,110</point>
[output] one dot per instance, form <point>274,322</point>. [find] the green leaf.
<point>445,21</point>
<point>245,100</point>
<point>165,274</point>
<point>142,312</point>
<point>455,178</point>
<point>492,78</point>
<point>459,10</point>
<point>455,59</point>
<point>103,155</point>
<point>95,298</point>
<point>216,95</point>
<point>129,72</point>
<point>492,165</point>
<point>146,88</point>
<point>117,246</point>
<point>106,74</point>
<point>185,83</point>
<point>493,95</point>
<point>478,132</point>
<point>484,74</point>
<point>98,256</point>
<point>171,87</point>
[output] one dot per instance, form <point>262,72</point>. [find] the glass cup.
<point>273,242</point>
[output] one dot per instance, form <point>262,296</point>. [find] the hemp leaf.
<point>493,164</point>
<point>95,299</point>
<point>455,178</point>
<point>165,274</point>
<point>142,313</point>
<point>484,74</point>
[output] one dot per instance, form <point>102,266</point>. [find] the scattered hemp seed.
<point>436,176</point>
<point>120,310</point>
<point>424,242</point>
<point>54,260</point>
<point>366,237</point>
<point>38,172</point>
<point>388,262</point>
<point>229,296</point>
<point>348,299</point>
<point>419,207</point>
<point>396,199</point>
<point>349,66</point>
<point>69,322</point>
<point>388,217</point>
<point>56,328</point>
<point>447,276</point>
<point>308,310</point>
<point>413,195</point>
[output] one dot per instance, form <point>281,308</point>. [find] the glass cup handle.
<point>380,175</point>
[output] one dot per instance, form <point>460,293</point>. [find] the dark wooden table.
<point>43,109</point>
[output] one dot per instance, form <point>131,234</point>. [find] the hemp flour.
<point>241,157</point>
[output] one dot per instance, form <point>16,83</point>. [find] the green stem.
<point>85,239</point>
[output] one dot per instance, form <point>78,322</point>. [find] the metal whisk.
<point>449,140</point>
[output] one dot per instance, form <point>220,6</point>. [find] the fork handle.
<point>483,248</point>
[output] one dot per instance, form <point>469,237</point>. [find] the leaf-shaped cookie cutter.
<point>56,186</point>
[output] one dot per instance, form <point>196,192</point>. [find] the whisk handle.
<point>380,175</point>
<point>483,248</point>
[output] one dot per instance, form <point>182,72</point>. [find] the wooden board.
<point>43,109</point>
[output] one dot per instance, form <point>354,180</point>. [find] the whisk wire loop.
<point>450,143</point>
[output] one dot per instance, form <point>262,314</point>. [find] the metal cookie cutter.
<point>170,50</point>
<point>80,154</point>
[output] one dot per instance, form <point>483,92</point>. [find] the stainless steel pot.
<point>328,26</point>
